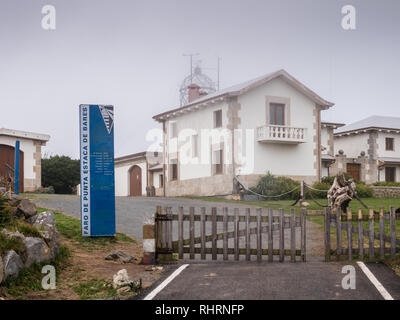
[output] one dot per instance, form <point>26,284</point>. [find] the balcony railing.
<point>281,134</point>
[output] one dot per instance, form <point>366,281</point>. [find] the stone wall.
<point>386,192</point>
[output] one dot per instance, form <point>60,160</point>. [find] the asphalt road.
<point>274,281</point>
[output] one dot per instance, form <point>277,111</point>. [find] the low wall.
<point>386,192</point>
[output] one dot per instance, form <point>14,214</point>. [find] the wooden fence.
<point>360,228</point>
<point>267,221</point>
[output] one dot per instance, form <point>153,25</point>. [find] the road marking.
<point>162,285</point>
<point>386,295</point>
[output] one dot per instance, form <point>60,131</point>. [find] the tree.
<point>61,172</point>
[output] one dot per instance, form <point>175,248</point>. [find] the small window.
<point>389,144</point>
<point>277,114</point>
<point>195,146</point>
<point>161,181</point>
<point>218,162</point>
<point>218,119</point>
<point>390,174</point>
<point>173,130</point>
<point>174,169</point>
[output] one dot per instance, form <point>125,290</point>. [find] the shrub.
<point>271,185</point>
<point>320,186</point>
<point>387,184</point>
<point>329,180</point>
<point>60,172</point>
<point>364,191</point>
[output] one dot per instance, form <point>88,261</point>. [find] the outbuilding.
<point>30,172</point>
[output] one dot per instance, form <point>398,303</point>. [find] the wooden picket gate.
<point>371,244</point>
<point>202,245</point>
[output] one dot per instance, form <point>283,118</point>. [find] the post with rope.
<point>301,192</point>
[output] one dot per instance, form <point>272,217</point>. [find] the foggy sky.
<point>129,54</point>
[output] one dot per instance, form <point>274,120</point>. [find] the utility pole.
<point>191,64</point>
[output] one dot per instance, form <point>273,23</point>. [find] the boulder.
<point>14,235</point>
<point>15,201</point>
<point>117,255</point>
<point>37,251</point>
<point>121,279</point>
<point>12,264</point>
<point>27,208</point>
<point>1,270</point>
<point>46,224</point>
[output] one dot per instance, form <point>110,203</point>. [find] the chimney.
<point>194,92</point>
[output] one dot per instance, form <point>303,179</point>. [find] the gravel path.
<point>131,210</point>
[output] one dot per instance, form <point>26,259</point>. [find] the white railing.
<point>273,133</point>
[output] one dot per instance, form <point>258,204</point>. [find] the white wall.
<point>156,179</point>
<point>352,145</point>
<point>122,177</point>
<point>196,121</point>
<point>381,141</point>
<point>325,136</point>
<point>28,148</point>
<point>280,158</point>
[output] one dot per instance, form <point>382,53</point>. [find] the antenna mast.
<point>191,63</point>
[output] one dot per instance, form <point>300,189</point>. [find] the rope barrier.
<point>318,190</point>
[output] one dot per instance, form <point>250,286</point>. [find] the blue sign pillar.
<point>97,170</point>
<point>16,168</point>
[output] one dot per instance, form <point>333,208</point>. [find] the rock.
<point>121,279</point>
<point>37,251</point>
<point>305,204</point>
<point>1,270</point>
<point>46,224</point>
<point>14,235</point>
<point>15,201</point>
<point>124,290</point>
<point>12,264</point>
<point>117,255</point>
<point>27,208</point>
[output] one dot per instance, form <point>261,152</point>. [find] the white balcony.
<point>281,134</point>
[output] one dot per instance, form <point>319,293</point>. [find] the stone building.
<point>30,157</point>
<point>369,149</point>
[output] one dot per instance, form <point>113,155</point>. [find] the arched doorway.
<point>7,157</point>
<point>135,178</point>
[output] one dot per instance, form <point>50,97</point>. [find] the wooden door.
<point>353,170</point>
<point>135,181</point>
<point>7,158</point>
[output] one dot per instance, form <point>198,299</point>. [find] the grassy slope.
<point>30,279</point>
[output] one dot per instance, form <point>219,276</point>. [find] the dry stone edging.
<point>34,249</point>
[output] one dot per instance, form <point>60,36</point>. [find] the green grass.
<point>94,289</point>
<point>7,244</point>
<point>71,228</point>
<point>376,203</point>
<point>30,279</point>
